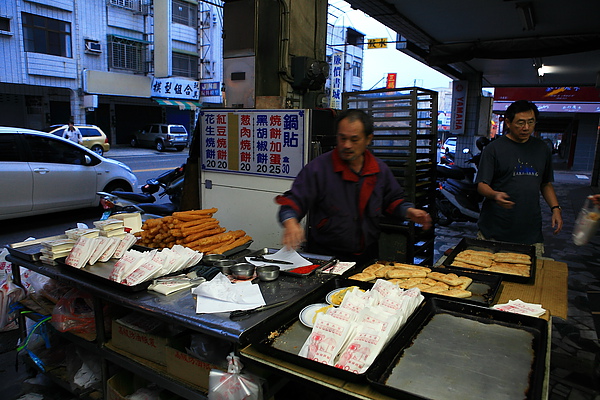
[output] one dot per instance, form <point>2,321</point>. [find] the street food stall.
<point>269,341</point>
<point>337,327</point>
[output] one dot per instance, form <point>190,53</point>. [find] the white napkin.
<point>221,295</point>
<point>520,307</point>
<point>285,254</point>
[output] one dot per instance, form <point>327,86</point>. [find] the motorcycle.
<point>171,183</point>
<point>457,198</point>
<point>447,159</point>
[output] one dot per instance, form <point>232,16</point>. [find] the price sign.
<point>256,142</point>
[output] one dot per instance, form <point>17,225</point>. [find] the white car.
<point>42,173</point>
<point>449,145</point>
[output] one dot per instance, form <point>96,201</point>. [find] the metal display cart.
<point>405,136</point>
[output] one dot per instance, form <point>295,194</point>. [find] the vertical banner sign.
<point>337,81</point>
<point>391,81</point>
<point>459,107</point>
<point>265,142</point>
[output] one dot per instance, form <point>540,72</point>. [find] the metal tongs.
<point>239,315</point>
<point>269,260</point>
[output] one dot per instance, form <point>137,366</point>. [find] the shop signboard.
<point>549,93</point>
<point>459,107</point>
<point>557,99</point>
<point>391,81</point>
<point>175,88</point>
<point>337,80</point>
<point>210,88</point>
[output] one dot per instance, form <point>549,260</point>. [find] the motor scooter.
<point>457,198</point>
<point>447,159</point>
<point>171,183</point>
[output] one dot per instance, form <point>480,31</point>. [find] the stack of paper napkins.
<point>101,248</point>
<point>110,227</point>
<point>53,249</point>
<point>520,307</point>
<point>76,233</point>
<point>136,267</point>
<point>221,295</point>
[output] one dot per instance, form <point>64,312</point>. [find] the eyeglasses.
<point>522,123</point>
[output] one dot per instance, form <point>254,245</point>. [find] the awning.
<point>111,36</point>
<point>182,104</point>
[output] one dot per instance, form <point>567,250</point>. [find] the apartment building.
<point>119,64</point>
<point>345,54</point>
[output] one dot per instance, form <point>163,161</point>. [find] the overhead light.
<point>525,10</point>
<point>541,70</point>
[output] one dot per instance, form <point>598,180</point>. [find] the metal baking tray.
<point>286,342</point>
<point>494,247</point>
<point>485,287</point>
<point>474,351</point>
<point>235,250</point>
<point>320,261</point>
<point>228,253</point>
<point>30,249</point>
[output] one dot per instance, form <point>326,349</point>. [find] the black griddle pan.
<point>485,287</point>
<point>517,325</point>
<point>495,247</point>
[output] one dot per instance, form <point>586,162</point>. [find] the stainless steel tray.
<point>31,249</point>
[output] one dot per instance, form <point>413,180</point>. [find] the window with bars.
<point>127,54</point>
<point>46,35</point>
<point>185,65</point>
<point>185,13</point>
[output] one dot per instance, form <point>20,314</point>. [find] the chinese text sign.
<point>265,142</point>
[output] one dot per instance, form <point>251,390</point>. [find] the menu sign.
<point>257,142</point>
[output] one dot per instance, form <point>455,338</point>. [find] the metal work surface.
<point>180,308</point>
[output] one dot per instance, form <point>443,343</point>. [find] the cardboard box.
<point>188,368</point>
<point>151,346</point>
<point>123,384</point>
<point>549,289</point>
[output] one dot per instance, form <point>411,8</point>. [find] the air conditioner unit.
<point>94,47</point>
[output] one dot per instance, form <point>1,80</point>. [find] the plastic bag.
<point>5,266</point>
<point>84,368</point>
<point>587,222</point>
<point>9,294</point>
<point>207,348</point>
<point>233,385</point>
<point>74,312</point>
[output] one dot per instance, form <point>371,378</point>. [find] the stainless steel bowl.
<point>267,273</point>
<point>224,265</point>
<point>242,270</point>
<point>210,259</point>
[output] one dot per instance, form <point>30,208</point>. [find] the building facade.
<point>345,54</point>
<point>118,64</point>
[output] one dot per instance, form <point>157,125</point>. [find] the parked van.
<point>161,136</point>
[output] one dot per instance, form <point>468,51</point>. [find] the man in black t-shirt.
<point>513,171</point>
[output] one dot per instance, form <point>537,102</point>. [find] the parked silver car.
<point>161,136</point>
<point>42,173</point>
